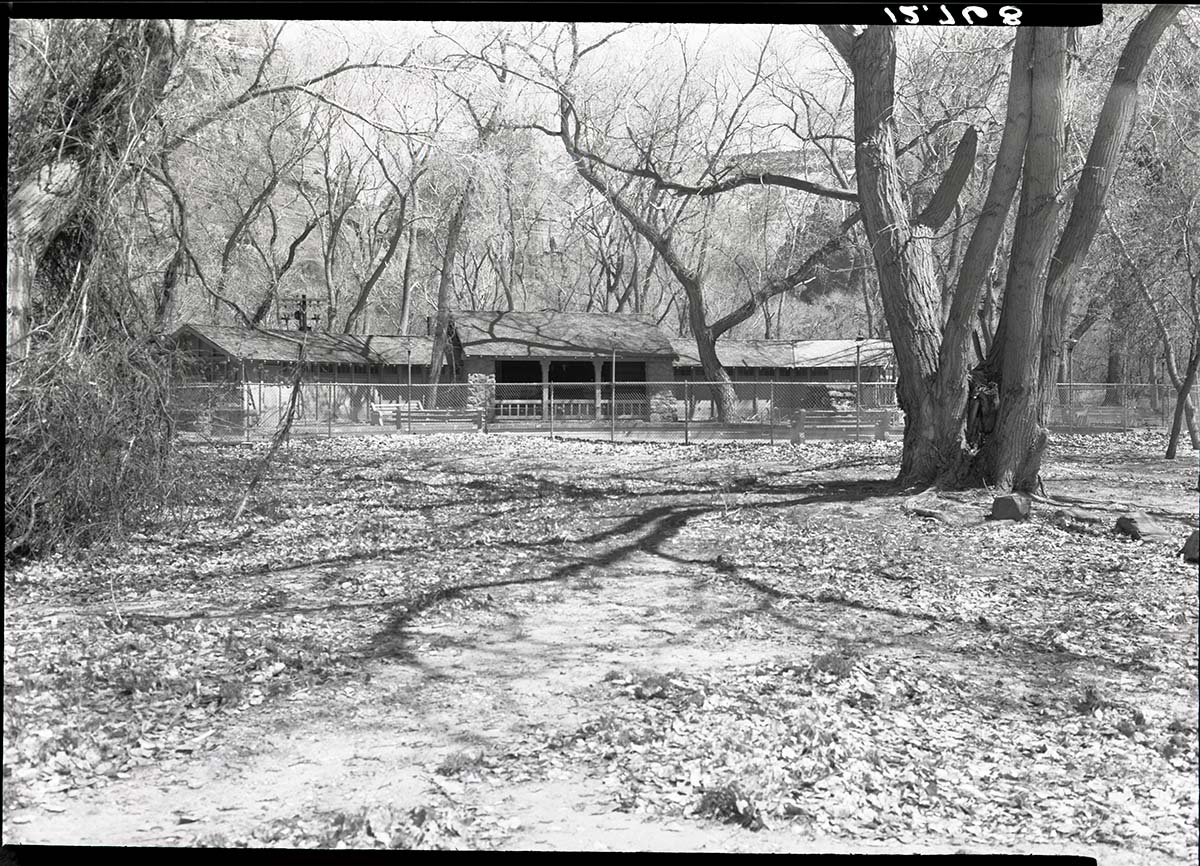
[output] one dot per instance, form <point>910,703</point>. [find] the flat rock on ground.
<point>1140,526</point>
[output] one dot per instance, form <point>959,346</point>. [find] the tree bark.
<point>104,120</point>
<point>902,249</point>
<point>406,281</point>
<point>973,283</point>
<point>1114,373</point>
<point>1103,158</point>
<point>37,211</point>
<point>1183,406</point>
<point>933,388</point>
<point>1012,457</point>
<point>445,281</point>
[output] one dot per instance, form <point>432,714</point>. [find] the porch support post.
<point>598,371</point>
<point>545,388</point>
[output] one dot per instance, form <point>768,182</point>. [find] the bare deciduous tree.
<point>1019,369</point>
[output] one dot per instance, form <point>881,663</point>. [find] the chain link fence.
<point>686,411</point>
<point>1084,406</point>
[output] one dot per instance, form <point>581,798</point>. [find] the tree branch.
<point>841,37</point>
<point>777,286</point>
<point>941,205</point>
<point>254,92</point>
<point>981,249</point>
<point>763,178</point>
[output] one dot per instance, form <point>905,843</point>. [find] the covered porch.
<point>579,389</point>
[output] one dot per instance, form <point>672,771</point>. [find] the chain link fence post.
<point>687,411</point>
<point>612,402</point>
<point>551,408</point>
<point>771,413</point>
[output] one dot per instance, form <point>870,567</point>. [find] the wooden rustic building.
<point>799,360</point>
<point>511,359</point>
<point>216,353</point>
<point>798,368</point>
<point>525,366</point>
<point>344,374</point>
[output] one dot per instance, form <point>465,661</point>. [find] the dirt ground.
<point>688,565</point>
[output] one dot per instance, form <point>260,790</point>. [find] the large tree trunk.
<point>721,387</point>
<point>441,331</point>
<point>37,211</point>
<point>902,252</point>
<point>1023,356</point>
<point>1103,158</point>
<point>1183,406</point>
<point>973,301</point>
<point>1012,457</point>
<point>103,120</point>
<point>903,258</point>
<point>1114,373</point>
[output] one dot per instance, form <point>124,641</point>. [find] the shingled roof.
<point>248,345</point>
<point>557,334</point>
<point>841,353</point>
<point>787,353</point>
<point>737,353</point>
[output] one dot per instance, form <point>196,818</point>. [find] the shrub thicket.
<point>87,441</point>
<point>85,420</point>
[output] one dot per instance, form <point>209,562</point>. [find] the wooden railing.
<point>518,408</point>
<point>636,407</point>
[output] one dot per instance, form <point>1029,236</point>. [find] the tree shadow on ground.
<point>660,522</point>
<point>646,531</point>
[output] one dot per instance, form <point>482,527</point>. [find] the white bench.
<point>440,418</point>
<point>385,413</point>
<point>826,424</point>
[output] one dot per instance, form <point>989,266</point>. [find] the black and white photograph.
<point>552,428</point>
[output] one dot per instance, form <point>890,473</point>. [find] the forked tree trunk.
<point>1103,158</point>
<point>1012,457</point>
<point>933,386</point>
<point>723,393</point>
<point>1183,407</point>
<point>903,255</point>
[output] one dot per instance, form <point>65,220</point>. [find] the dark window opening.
<point>631,383</point>
<point>519,380</point>
<point>511,372</point>
<point>577,377</point>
